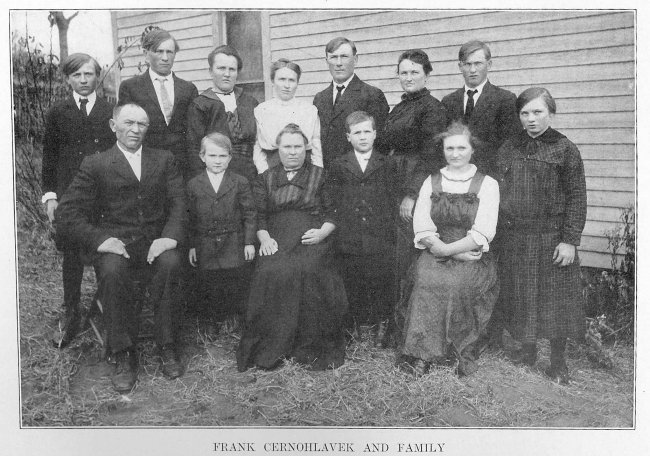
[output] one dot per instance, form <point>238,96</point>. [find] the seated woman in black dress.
<point>453,285</point>
<point>297,302</point>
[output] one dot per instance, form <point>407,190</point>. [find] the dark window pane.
<point>244,33</point>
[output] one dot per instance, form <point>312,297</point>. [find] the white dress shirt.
<point>344,84</point>
<point>215,179</point>
<point>134,159</point>
<point>485,222</point>
<point>478,88</point>
<point>169,85</point>
<point>228,99</point>
<point>363,159</point>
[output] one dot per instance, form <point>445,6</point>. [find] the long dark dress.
<point>450,301</point>
<point>408,135</point>
<point>297,302</point>
<point>543,203</point>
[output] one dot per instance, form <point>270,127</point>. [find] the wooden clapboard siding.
<point>586,58</point>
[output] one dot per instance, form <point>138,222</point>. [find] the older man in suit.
<point>164,96</point>
<point>345,95</point>
<point>487,109</point>
<point>127,205</point>
<point>75,127</point>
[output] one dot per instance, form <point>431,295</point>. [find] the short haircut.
<point>471,47</point>
<point>118,108</point>
<point>218,139</point>
<point>416,56</point>
<point>337,42</point>
<point>291,129</point>
<point>285,63</point>
<point>225,50</point>
<point>75,61</point>
<point>357,117</point>
<point>152,40</point>
<point>532,93</point>
<point>457,128</point>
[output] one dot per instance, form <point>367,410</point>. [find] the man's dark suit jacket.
<point>106,200</point>
<point>358,96</point>
<point>493,120</point>
<point>173,137</point>
<point>222,222</point>
<point>364,204</point>
<point>70,137</point>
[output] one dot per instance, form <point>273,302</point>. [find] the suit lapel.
<point>150,90</point>
<point>149,164</point>
<point>227,184</point>
<point>120,164</point>
<point>376,161</point>
<point>179,92</point>
<point>350,94</point>
<point>351,163</point>
<point>484,101</point>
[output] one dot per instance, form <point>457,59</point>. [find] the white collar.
<point>91,97</point>
<point>458,177</point>
<point>364,156</point>
<point>153,75</point>
<point>344,84</point>
<point>478,88</point>
<point>129,154</point>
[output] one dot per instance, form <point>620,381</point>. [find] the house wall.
<point>585,58</point>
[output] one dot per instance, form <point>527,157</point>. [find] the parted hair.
<point>118,108</point>
<point>472,46</point>
<point>226,50</point>
<point>416,56</point>
<point>218,139</point>
<point>75,61</point>
<point>152,40</point>
<point>358,117</point>
<point>291,129</point>
<point>336,43</point>
<point>531,93</point>
<point>285,63</point>
<point>457,128</point>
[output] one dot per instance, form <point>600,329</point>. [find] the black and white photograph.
<point>289,228</point>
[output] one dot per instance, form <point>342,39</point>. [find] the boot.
<point>558,369</point>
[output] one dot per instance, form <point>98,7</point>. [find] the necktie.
<point>166,103</point>
<point>339,89</point>
<point>470,103</point>
<point>83,102</point>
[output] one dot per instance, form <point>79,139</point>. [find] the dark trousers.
<point>369,284</point>
<point>224,291</point>
<point>117,294</point>
<point>73,271</point>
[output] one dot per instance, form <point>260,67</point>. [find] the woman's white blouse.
<point>485,223</point>
<point>273,115</point>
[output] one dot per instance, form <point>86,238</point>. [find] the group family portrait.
<point>326,219</point>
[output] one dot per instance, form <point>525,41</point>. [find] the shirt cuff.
<point>480,240</point>
<point>421,235</point>
<point>48,196</point>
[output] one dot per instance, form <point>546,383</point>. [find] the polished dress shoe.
<point>66,328</point>
<point>171,366</point>
<point>126,371</point>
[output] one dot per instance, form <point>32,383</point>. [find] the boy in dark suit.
<point>75,127</point>
<point>164,96</point>
<point>222,234</point>
<point>487,109</point>
<point>362,184</point>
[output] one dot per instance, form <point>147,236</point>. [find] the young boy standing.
<point>222,227</point>
<point>362,188</point>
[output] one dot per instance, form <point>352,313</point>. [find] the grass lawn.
<point>72,387</point>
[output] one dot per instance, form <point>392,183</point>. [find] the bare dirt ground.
<point>72,387</point>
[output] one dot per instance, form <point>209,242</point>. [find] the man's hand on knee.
<point>113,245</point>
<point>159,246</point>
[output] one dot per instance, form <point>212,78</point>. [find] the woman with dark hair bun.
<point>543,212</point>
<point>272,115</point>
<point>452,286</point>
<point>409,135</point>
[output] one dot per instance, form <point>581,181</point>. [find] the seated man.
<point>127,205</point>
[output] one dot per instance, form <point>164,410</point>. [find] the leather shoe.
<point>126,371</point>
<point>171,366</point>
<point>66,328</point>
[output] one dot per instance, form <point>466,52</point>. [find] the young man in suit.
<point>346,94</point>
<point>127,206</point>
<point>164,96</point>
<point>487,109</point>
<point>223,227</point>
<point>361,183</point>
<point>75,127</point>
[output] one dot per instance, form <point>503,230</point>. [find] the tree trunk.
<point>57,18</point>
